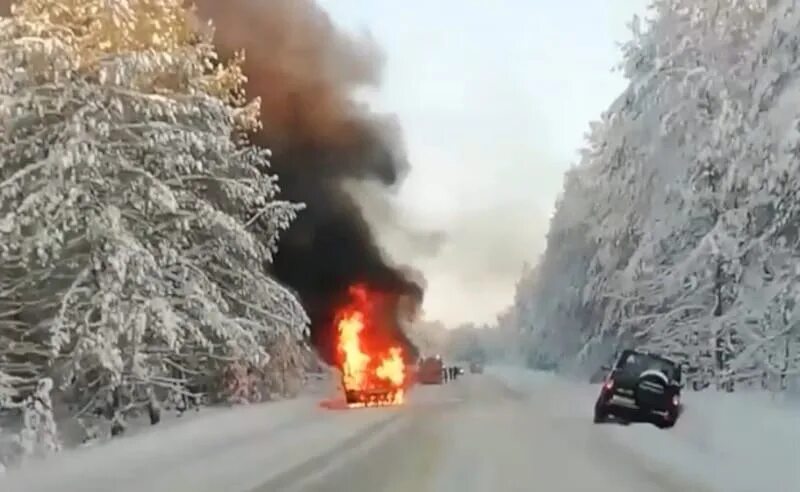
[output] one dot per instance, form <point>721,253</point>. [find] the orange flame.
<point>392,368</point>
<point>377,380</point>
<point>354,366</point>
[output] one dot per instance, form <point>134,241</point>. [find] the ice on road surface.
<point>492,438</point>
<point>476,434</point>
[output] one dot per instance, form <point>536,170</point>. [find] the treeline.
<point>678,229</point>
<point>137,224</point>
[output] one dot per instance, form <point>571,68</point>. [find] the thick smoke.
<point>306,72</point>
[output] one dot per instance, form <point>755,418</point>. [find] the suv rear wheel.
<point>600,413</point>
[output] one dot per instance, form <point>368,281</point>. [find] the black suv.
<point>643,386</point>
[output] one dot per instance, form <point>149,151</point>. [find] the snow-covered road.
<point>476,434</point>
<point>479,435</point>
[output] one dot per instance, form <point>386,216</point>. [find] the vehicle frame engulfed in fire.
<point>373,370</point>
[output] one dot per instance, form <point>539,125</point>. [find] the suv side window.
<point>623,359</point>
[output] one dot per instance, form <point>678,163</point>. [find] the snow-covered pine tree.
<point>765,178</point>
<point>679,263</point>
<point>128,204</point>
<point>680,70</point>
<point>39,435</point>
<point>687,208</point>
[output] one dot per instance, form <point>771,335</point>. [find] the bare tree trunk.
<point>785,371</point>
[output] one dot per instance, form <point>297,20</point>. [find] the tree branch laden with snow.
<point>677,230</point>
<point>136,222</point>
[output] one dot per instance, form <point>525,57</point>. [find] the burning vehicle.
<point>374,371</point>
<point>324,144</point>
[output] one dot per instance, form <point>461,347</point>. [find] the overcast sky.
<point>494,99</point>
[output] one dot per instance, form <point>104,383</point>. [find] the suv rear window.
<point>638,362</point>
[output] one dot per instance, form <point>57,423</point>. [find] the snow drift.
<point>743,442</point>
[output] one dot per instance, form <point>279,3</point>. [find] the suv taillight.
<point>609,385</point>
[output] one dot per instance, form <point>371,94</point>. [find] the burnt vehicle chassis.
<point>641,386</point>
<point>370,397</point>
<point>375,394</point>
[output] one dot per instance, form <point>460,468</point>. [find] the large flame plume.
<point>373,369</point>
<point>306,71</point>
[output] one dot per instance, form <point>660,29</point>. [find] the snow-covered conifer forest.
<point>678,229</point>
<point>136,224</point>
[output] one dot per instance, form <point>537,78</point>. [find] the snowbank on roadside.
<point>740,442</point>
<point>232,449</point>
<point>71,435</point>
<point>155,449</point>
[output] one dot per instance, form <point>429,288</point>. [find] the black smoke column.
<point>305,72</point>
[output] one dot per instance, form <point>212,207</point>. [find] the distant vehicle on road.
<point>431,371</point>
<point>641,385</point>
<point>476,368</point>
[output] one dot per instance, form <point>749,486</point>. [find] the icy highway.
<point>478,435</point>
<point>474,434</point>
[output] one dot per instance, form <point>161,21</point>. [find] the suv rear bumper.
<point>624,406</point>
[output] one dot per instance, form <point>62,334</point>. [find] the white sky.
<point>494,99</point>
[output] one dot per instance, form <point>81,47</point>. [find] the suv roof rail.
<point>651,354</point>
